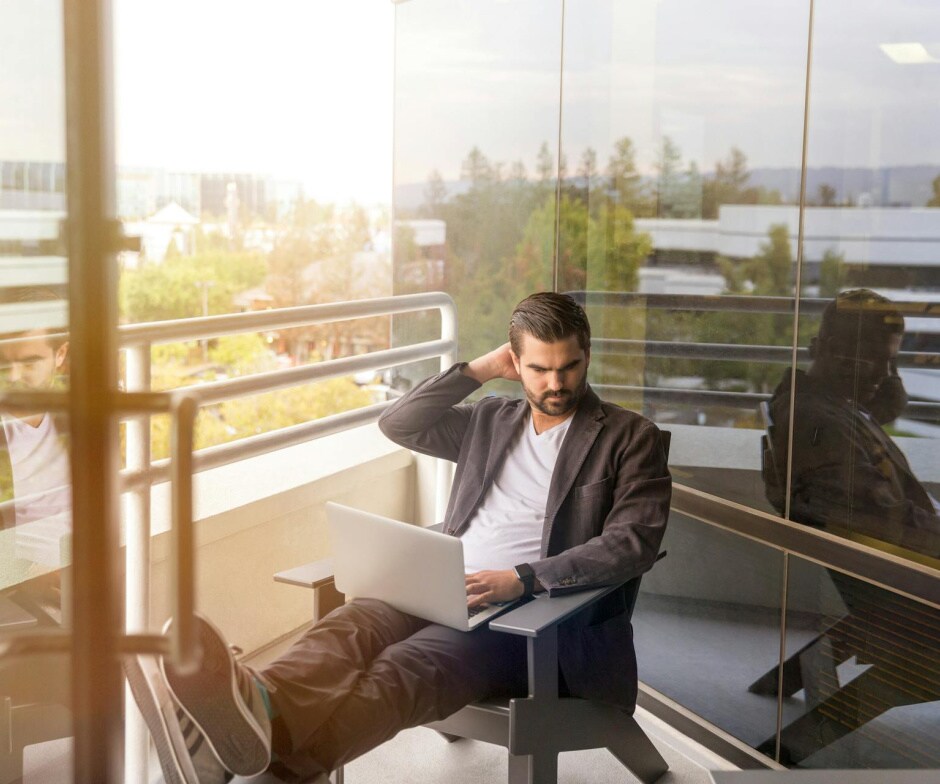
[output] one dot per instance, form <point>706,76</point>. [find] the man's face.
<point>553,374</point>
<point>856,368</point>
<point>31,364</point>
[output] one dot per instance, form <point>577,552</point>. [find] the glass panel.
<point>476,129</point>
<point>867,416</point>
<point>682,122</point>
<point>35,493</point>
<point>253,155</point>
<point>862,675</point>
<point>707,627</point>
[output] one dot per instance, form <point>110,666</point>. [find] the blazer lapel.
<point>582,432</point>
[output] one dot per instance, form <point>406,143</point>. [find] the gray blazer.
<point>604,520</point>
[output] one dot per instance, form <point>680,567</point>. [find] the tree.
<point>688,203</point>
<point>434,194</point>
<point>476,169</point>
<point>545,164</point>
<point>668,180</point>
<point>935,199</point>
<point>587,169</point>
<point>173,289</point>
<point>832,273</point>
<point>517,173</point>
<point>249,416</point>
<point>827,195</point>
<point>769,273</point>
<point>624,180</point>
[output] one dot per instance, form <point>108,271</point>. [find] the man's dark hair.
<point>548,317</point>
<point>860,313</point>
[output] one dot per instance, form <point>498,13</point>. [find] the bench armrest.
<point>543,611</point>
<point>310,575</point>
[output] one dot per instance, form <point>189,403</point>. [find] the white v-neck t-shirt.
<point>41,485</point>
<point>507,528</point>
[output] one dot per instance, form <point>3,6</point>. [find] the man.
<point>846,472</point>
<point>558,491</point>
<point>848,475</point>
<point>35,495</point>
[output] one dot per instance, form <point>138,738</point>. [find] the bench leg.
<point>533,769</point>
<point>636,752</point>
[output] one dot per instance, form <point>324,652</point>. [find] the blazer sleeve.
<point>632,529</point>
<point>431,419</point>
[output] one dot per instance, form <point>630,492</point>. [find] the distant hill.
<point>893,186</point>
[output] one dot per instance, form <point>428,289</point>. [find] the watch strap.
<point>526,576</point>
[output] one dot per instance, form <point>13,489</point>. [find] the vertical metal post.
<point>96,675</point>
<point>137,559</point>
<point>445,472</point>
<point>183,645</point>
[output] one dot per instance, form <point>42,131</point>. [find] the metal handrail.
<point>142,472</point>
<point>203,327</point>
<point>735,303</point>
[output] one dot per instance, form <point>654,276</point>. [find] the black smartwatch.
<point>526,577</point>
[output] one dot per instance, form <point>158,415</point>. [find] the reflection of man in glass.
<point>846,472</point>
<point>35,496</point>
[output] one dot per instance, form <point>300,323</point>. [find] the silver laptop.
<point>415,570</point>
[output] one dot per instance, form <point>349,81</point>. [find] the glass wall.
<point>35,493</point>
<point>476,158</point>
<point>719,175</point>
<point>861,679</point>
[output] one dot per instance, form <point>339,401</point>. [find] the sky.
<point>312,90</point>
<point>711,74</point>
<point>299,89</point>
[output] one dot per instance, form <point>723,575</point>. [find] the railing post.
<point>445,470</point>
<point>137,557</point>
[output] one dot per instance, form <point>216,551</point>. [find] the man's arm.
<point>430,418</point>
<point>633,527</point>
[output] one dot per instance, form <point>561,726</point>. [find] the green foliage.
<point>934,200</point>
<point>826,195</point>
<point>241,354</point>
<point>175,288</point>
<point>729,185</point>
<point>244,417</point>
<point>832,273</point>
<point>624,180</point>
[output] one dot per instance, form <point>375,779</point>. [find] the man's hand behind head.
<point>496,364</point>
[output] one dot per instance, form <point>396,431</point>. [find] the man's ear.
<point>515,362</point>
<point>61,355</point>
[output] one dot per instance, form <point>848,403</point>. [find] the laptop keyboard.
<point>471,611</point>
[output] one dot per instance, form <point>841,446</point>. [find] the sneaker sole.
<point>210,697</point>
<point>168,741</point>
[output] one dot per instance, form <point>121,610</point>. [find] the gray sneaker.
<point>185,757</point>
<point>223,700</point>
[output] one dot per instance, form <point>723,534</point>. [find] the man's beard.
<point>557,402</point>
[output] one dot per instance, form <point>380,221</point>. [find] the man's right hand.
<point>497,364</point>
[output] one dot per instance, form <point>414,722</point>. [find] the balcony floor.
<point>420,756</point>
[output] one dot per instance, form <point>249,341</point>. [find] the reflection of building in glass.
<point>143,191</point>
<point>32,185</point>
<point>876,244</point>
<point>419,262</point>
